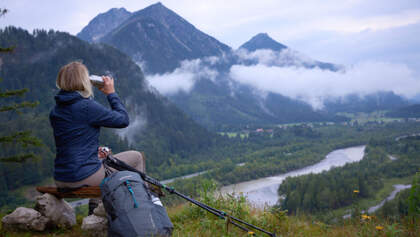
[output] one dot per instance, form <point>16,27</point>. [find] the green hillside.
<point>159,128</point>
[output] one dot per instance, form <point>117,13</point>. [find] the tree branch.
<point>22,105</point>
<point>23,137</point>
<point>13,93</point>
<point>18,158</point>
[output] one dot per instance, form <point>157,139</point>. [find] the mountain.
<point>157,126</point>
<point>262,41</point>
<point>369,103</point>
<point>223,101</point>
<point>159,39</point>
<point>412,111</point>
<point>103,23</point>
<point>287,56</point>
<point>166,44</point>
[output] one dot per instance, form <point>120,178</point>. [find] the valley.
<point>279,138</point>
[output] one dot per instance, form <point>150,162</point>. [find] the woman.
<point>76,120</point>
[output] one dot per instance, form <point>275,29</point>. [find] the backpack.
<point>131,209</point>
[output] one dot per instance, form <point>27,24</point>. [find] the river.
<point>397,189</point>
<point>263,191</point>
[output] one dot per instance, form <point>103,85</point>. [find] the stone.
<point>95,225</point>
<point>58,211</point>
<point>25,219</point>
<point>100,210</point>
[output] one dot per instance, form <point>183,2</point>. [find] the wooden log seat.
<point>84,192</point>
<point>87,192</point>
<point>92,191</point>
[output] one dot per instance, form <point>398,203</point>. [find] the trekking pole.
<point>120,165</point>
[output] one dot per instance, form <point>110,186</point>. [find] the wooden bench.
<point>88,192</point>
<point>85,192</point>
<point>93,191</point>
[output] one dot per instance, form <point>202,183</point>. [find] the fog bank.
<point>314,85</point>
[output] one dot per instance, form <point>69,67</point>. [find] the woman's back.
<point>76,122</point>
<point>76,141</point>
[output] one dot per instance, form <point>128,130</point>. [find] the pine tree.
<point>22,139</point>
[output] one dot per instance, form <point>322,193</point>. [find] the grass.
<point>190,220</point>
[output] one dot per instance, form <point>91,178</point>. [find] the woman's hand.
<point>108,87</point>
<point>103,152</point>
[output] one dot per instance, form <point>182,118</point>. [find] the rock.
<point>100,210</point>
<point>25,219</point>
<point>95,225</point>
<point>58,211</point>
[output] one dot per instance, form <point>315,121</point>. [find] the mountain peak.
<point>158,4</point>
<point>262,36</point>
<point>103,23</point>
<point>162,38</point>
<point>155,8</point>
<point>116,10</point>
<point>262,41</point>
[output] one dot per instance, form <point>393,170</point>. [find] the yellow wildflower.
<point>378,227</point>
<point>355,191</point>
<point>364,217</point>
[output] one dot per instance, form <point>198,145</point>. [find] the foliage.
<point>19,139</point>
<point>333,189</point>
<point>405,205</point>
<point>414,198</point>
<point>190,221</point>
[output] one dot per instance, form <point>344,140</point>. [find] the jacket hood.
<point>67,97</point>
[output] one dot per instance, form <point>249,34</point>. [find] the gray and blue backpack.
<point>131,210</point>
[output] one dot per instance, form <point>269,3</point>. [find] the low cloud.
<point>184,77</point>
<point>138,121</point>
<point>268,57</point>
<point>292,74</point>
<point>315,85</point>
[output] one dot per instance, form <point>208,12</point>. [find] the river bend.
<point>263,191</point>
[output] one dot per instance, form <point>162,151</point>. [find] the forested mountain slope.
<point>412,111</point>
<point>156,127</point>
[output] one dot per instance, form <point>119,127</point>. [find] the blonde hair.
<point>75,77</point>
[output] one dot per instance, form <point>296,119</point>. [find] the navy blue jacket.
<point>76,122</point>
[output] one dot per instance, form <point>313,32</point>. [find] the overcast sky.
<point>344,32</point>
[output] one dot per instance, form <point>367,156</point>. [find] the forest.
<point>318,193</point>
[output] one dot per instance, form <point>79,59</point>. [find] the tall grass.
<point>190,220</point>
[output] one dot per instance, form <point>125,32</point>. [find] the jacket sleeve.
<point>116,117</point>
